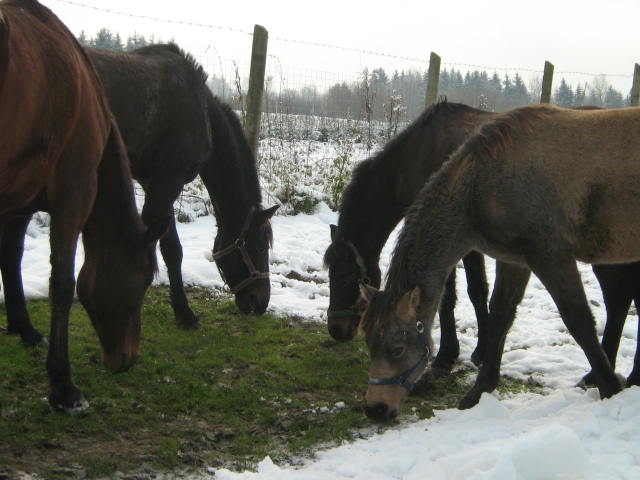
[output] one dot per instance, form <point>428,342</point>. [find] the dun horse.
<point>174,129</point>
<point>60,151</point>
<point>537,188</point>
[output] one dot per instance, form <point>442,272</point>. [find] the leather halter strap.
<point>240,245</point>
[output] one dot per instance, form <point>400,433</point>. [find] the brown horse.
<point>537,188</point>
<point>61,152</point>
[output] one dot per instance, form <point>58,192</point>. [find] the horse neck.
<point>396,175</point>
<point>114,219</point>
<point>437,233</point>
<point>229,173</point>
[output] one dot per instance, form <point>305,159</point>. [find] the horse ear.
<point>157,230</point>
<point>334,232</point>
<point>408,304</point>
<point>264,215</point>
<point>366,293</point>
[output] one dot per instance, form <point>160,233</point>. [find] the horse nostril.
<point>380,411</point>
<point>340,334</point>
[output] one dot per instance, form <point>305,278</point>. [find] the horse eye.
<point>397,351</point>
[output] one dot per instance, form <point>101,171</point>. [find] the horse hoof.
<point>470,400</point>
<point>588,381</point>
<point>440,368</point>
<point>188,322</point>
<point>72,403</point>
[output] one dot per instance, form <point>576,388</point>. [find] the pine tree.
<point>564,95</point>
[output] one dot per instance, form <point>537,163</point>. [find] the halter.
<point>239,244</point>
<point>364,278</point>
<point>407,379</point>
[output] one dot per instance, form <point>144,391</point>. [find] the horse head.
<point>111,286</point>
<point>400,347</point>
<point>347,270</point>
<point>244,262</point>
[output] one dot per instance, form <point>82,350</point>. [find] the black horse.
<point>174,129</point>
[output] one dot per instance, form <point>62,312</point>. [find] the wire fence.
<point>363,95</point>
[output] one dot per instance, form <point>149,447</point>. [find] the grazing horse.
<point>174,128</point>
<point>60,151</point>
<point>381,189</point>
<point>536,188</point>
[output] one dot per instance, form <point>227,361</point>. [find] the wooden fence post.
<point>433,79</point>
<point>635,88</point>
<point>547,80</point>
<point>256,85</point>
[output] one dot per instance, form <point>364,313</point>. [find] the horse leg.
<point>449,346</point>
<point>158,203</point>
<point>634,376</point>
<point>63,238</point>
<point>617,292</point>
<point>11,250</point>
<point>562,280</point>
<point>510,284</point>
<point>478,292</point>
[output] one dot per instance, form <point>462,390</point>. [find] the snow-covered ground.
<point>567,434</point>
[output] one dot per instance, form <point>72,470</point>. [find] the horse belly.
<point>610,228</point>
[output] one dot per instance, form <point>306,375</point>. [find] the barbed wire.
<point>331,46</point>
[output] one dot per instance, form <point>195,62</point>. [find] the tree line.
<point>105,39</point>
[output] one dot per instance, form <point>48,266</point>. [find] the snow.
<point>564,434</point>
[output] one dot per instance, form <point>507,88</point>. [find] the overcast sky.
<point>577,36</point>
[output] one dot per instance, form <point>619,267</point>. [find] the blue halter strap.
<point>409,377</point>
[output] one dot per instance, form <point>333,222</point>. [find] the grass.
<point>240,388</point>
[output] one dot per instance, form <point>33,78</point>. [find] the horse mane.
<point>379,313</point>
<point>493,137</point>
<point>163,48</point>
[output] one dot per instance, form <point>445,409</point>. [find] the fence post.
<point>635,88</point>
<point>547,80</point>
<point>433,79</point>
<point>256,85</point>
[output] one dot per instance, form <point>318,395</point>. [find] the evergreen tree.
<point>564,95</point>
<point>579,97</point>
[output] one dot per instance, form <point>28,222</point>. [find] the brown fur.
<point>60,151</point>
<point>538,189</point>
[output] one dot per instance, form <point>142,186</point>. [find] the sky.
<point>589,37</point>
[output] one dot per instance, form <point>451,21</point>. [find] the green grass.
<point>238,389</point>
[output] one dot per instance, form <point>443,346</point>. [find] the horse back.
<point>569,176</point>
<point>52,102</point>
<point>159,96</point>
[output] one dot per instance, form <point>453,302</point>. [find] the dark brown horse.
<point>537,188</point>
<point>174,129</point>
<point>376,199</point>
<point>61,152</point>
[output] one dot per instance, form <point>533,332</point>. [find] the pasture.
<point>239,389</point>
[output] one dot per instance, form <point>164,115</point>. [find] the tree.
<point>579,97</point>
<point>564,95</point>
